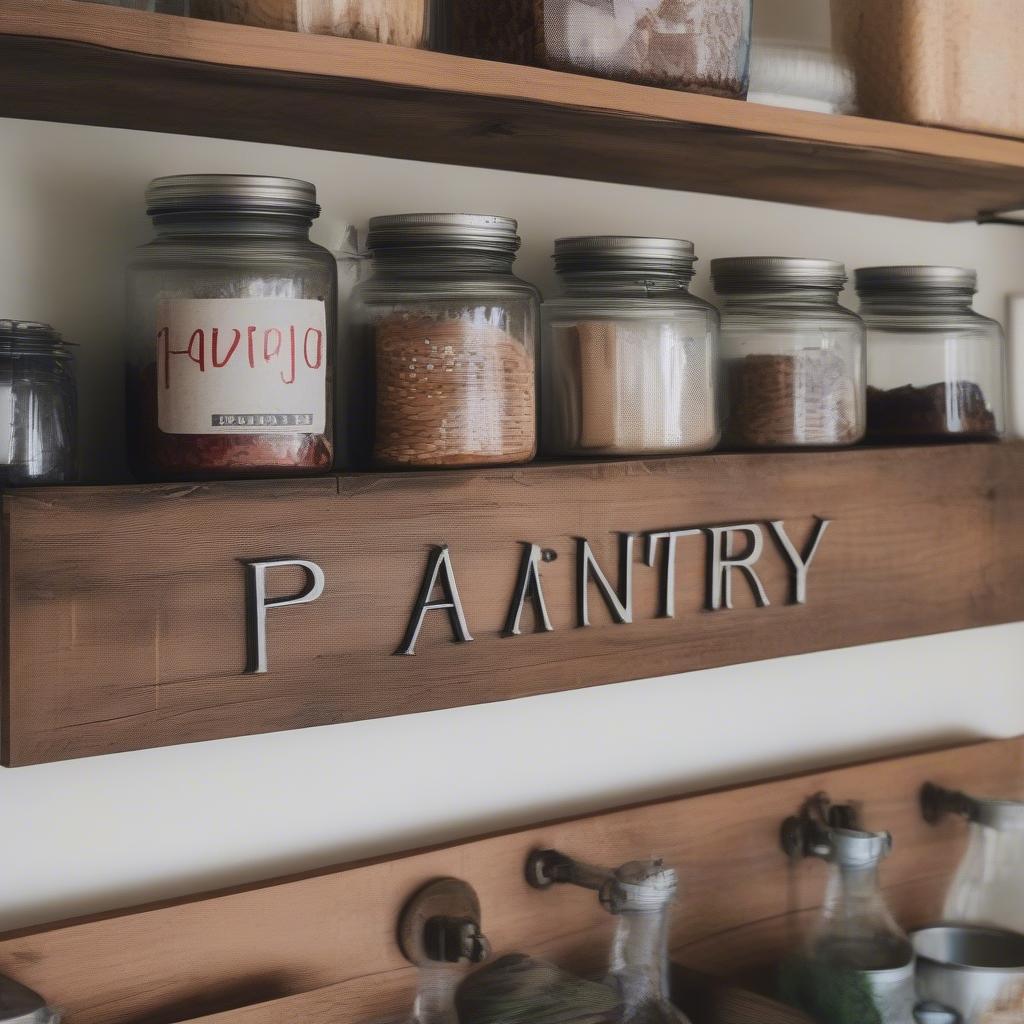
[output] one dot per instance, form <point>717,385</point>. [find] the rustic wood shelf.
<point>124,608</point>
<point>66,60</point>
<point>321,947</point>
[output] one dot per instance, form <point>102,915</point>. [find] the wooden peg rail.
<point>321,947</point>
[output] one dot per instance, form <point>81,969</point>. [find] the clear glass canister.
<point>988,888</point>
<point>449,338</point>
<point>38,405</point>
<point>181,7</point>
<point>691,45</point>
<point>398,22</point>
<point>936,368</point>
<point>793,357</point>
<point>231,314</point>
<point>629,358</point>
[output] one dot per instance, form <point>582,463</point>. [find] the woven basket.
<point>949,63</point>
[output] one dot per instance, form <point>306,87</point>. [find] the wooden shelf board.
<point>320,947</point>
<point>67,60</point>
<point>124,606</point>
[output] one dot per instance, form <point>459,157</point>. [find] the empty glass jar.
<point>936,368</point>
<point>629,360</point>
<point>231,314</point>
<point>449,338</point>
<point>793,357</point>
<point>38,405</point>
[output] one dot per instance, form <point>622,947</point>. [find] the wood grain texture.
<point>322,947</point>
<point>125,605</point>
<point>65,60</point>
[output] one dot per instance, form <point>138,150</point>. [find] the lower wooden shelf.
<point>125,618</point>
<point>321,948</point>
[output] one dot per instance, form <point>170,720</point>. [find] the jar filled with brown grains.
<point>793,357</point>
<point>449,339</point>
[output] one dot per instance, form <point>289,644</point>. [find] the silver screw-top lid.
<point>617,254</point>
<point>643,885</point>
<point>749,273</point>
<point>30,334</point>
<point>873,280</point>
<point>853,848</point>
<point>443,231</point>
<point>225,193</point>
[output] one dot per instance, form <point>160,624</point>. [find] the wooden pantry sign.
<point>144,616</point>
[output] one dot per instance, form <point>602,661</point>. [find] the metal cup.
<point>968,968</point>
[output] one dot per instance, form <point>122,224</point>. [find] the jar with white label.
<point>231,314</point>
<point>38,405</point>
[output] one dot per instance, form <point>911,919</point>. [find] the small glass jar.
<point>793,357</point>
<point>231,314</point>
<point>936,368</point>
<point>398,22</point>
<point>38,406</point>
<point>691,45</point>
<point>449,338</point>
<point>629,358</point>
<point>180,7</point>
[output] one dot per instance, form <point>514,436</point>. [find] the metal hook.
<point>441,925</point>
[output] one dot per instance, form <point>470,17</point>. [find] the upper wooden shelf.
<point>67,60</point>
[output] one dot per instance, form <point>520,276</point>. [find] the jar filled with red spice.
<point>231,320</point>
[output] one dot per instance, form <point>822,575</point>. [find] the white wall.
<point>115,830</point>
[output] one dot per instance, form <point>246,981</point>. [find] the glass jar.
<point>858,964</point>
<point>399,22</point>
<point>231,314</point>
<point>793,357</point>
<point>936,368</point>
<point>629,358</point>
<point>449,338</point>
<point>692,45</point>
<point>180,7</point>
<point>38,405</point>
<point>988,887</point>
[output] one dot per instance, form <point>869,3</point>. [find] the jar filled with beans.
<point>449,339</point>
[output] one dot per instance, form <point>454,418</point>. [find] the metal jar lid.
<point>853,848</point>
<point>638,887</point>
<point>469,232</point>
<point>750,273</point>
<point>31,336</point>
<point>613,254</point>
<point>876,280</point>
<point>225,193</point>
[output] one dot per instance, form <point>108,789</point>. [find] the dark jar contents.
<point>38,406</point>
<point>449,340</point>
<point>793,357</point>
<point>936,368</point>
<point>232,313</point>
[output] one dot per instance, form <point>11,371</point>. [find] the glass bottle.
<point>38,405</point>
<point>448,336</point>
<point>936,368</point>
<point>629,358</point>
<point>641,894</point>
<point>988,887</point>
<point>231,314</point>
<point>793,357</point>
<point>858,965</point>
